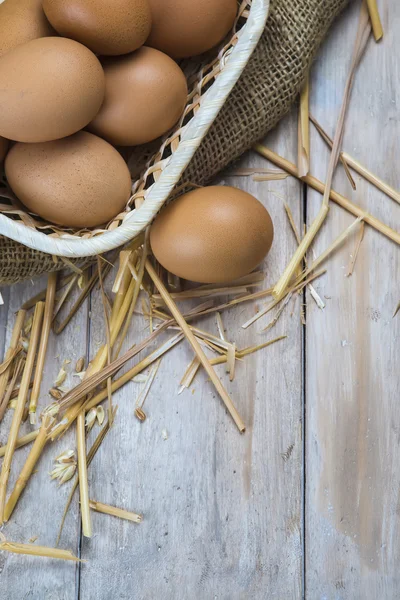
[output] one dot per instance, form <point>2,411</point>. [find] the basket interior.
<point>147,162</point>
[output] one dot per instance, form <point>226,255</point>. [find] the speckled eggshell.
<point>109,28</point>
<point>3,148</point>
<point>50,88</point>
<point>184,28</point>
<point>20,22</point>
<point>145,95</point>
<point>212,235</point>
<point>80,181</point>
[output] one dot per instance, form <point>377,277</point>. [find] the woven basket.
<point>209,87</point>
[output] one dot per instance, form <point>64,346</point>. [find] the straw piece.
<point>63,281</point>
<point>6,364</point>
<point>206,293</point>
<point>329,142</point>
<point>65,295</point>
<point>322,257</point>
<point>108,336</point>
<point>106,509</point>
<point>295,287</point>
<point>313,182</point>
<point>135,295</point>
<point>124,257</point>
<point>303,160</point>
<point>278,312</point>
<point>22,441</point>
<point>252,349</point>
<point>247,280</point>
<point>47,319</point>
<point>14,342</point>
<point>375,20</point>
<point>7,396</point>
<point>19,410</point>
<point>90,456</point>
<point>195,345</point>
<point>231,361</point>
<point>360,169</point>
<point>145,391</point>
<point>42,551</point>
<point>313,291</point>
<point>220,326</point>
<point>129,375</point>
<point>360,238</point>
<point>363,33</point>
<point>28,467</point>
<point>58,328</point>
<point>82,471</point>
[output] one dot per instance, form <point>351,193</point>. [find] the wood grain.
<point>352,434</point>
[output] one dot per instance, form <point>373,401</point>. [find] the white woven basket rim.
<point>191,139</point>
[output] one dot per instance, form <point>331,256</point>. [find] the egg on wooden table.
<point>184,28</point>
<point>212,235</point>
<point>20,22</point>
<point>145,95</point>
<point>50,88</point>
<point>3,148</point>
<point>80,181</point>
<point>109,28</point>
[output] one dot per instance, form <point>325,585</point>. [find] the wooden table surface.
<point>305,504</point>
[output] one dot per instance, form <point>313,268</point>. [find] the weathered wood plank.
<point>352,433</point>
<point>222,512</point>
<point>39,511</point>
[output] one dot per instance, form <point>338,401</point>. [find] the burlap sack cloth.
<point>266,90</point>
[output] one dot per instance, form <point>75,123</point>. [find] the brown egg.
<point>3,148</point>
<point>79,181</point>
<point>116,27</point>
<point>212,235</point>
<point>183,28</point>
<point>50,88</point>
<point>20,22</point>
<point>145,95</point>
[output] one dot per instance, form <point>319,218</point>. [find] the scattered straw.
<point>58,328</point>
<point>19,410</point>
<point>91,454</point>
<point>363,33</point>
<point>195,345</point>
<point>329,141</point>
<point>294,288</point>
<point>313,182</point>
<point>279,312</point>
<point>135,295</point>
<point>14,342</point>
<point>360,169</point>
<point>7,396</point>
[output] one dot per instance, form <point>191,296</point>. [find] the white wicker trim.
<point>191,139</point>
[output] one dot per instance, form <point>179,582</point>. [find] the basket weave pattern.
<point>266,90</point>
